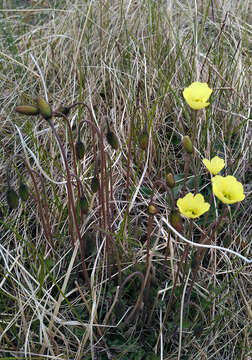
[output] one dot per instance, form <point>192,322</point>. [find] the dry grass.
<point>113,55</point>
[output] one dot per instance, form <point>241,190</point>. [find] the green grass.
<point>129,61</point>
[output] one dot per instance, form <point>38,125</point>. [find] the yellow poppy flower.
<point>192,206</point>
<point>197,94</point>
<point>215,165</point>
<point>227,189</point>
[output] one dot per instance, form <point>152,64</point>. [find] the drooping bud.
<point>112,140</point>
<point>187,144</point>
<point>80,150</point>
<point>170,180</point>
<point>84,206</point>
<point>95,184</point>
<point>44,108</point>
<point>176,221</point>
<point>144,140</point>
<point>27,109</point>
<point>23,191</point>
<point>152,209</point>
<point>194,261</point>
<point>65,110</point>
<point>89,240</point>
<point>12,198</point>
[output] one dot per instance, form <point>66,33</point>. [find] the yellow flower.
<point>192,206</point>
<point>227,189</point>
<point>215,165</point>
<point>197,94</point>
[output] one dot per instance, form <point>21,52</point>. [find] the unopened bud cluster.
<point>42,107</point>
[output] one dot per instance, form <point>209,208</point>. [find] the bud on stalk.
<point>80,150</point>
<point>170,181</point>
<point>12,198</point>
<point>44,108</point>
<point>23,191</point>
<point>112,140</point>
<point>187,144</point>
<point>27,109</point>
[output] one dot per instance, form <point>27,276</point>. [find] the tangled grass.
<point>87,296</point>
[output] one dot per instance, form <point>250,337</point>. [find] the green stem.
<point>187,166</point>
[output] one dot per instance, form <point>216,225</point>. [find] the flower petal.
<point>215,165</point>
<point>227,189</point>
<point>192,206</point>
<point>197,94</point>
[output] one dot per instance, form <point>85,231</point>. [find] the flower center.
<point>227,196</point>
<point>192,211</point>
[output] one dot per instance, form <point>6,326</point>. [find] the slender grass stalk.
<point>103,168</point>
<point>132,122</point>
<point>149,230</point>
<point>72,147</point>
<point>43,214</point>
<point>205,239</point>
<point>187,166</point>
<point>71,201</point>
<point>138,304</point>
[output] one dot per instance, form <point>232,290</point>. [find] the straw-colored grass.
<point>129,61</point>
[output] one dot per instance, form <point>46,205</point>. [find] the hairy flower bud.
<point>23,191</point>
<point>95,184</point>
<point>170,181</point>
<point>27,109</point>
<point>65,110</point>
<point>152,209</point>
<point>194,261</point>
<point>143,140</point>
<point>84,206</point>
<point>187,144</point>
<point>80,150</point>
<point>12,198</point>
<point>176,221</point>
<point>112,140</point>
<point>44,108</point>
<point>89,240</point>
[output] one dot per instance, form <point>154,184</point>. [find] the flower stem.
<point>71,201</point>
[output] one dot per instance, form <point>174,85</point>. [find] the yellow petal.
<point>215,165</point>
<point>227,189</point>
<point>197,94</point>
<point>192,206</point>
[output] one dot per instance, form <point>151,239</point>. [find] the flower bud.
<point>44,108</point>
<point>27,109</point>
<point>84,206</point>
<point>89,240</point>
<point>95,184</point>
<point>194,261</point>
<point>187,144</point>
<point>23,191</point>
<point>170,181</point>
<point>152,209</point>
<point>176,221</point>
<point>12,198</point>
<point>65,110</point>
<point>112,140</point>
<point>80,150</point>
<point>143,140</point>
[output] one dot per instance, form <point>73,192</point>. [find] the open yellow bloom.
<point>227,189</point>
<point>215,165</point>
<point>197,94</point>
<point>192,206</point>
